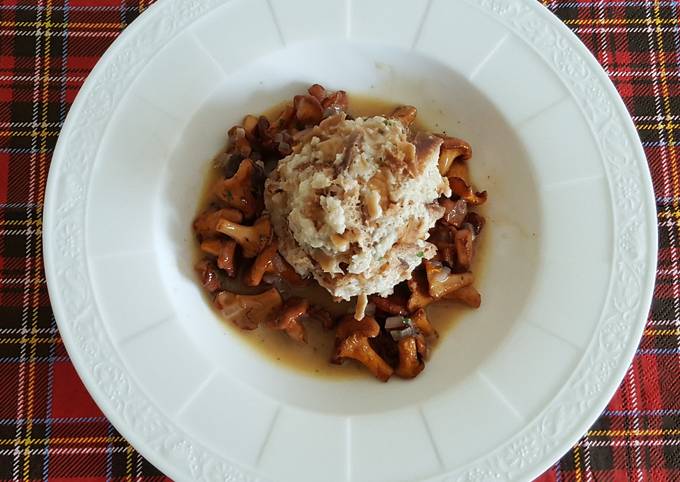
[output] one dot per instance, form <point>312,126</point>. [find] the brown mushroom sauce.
<point>294,320</point>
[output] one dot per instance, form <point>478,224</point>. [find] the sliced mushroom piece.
<point>331,121</point>
<point>238,142</point>
<point>205,224</point>
<point>358,348</point>
<point>237,191</point>
<point>270,262</point>
<point>461,188</point>
<point>477,222</point>
<point>317,91</point>
<point>264,263</point>
<point>224,251</point>
<point>250,127</point>
<point>454,211</point>
<point>441,233</point>
<point>288,320</point>
<point>252,239</point>
<point>248,311</point>
<point>468,295</point>
<point>452,150</point>
<point>420,321</point>
<point>442,281</point>
<point>420,294</point>
<point>226,258</point>
<point>308,109</point>
<point>420,291</point>
<point>337,101</point>
<point>442,236</point>
<point>393,304</point>
<point>410,364</point>
<point>422,347</point>
<point>264,133</point>
<point>406,114</point>
<point>465,246</point>
<point>446,253</point>
<point>207,271</point>
<point>211,246</point>
<point>284,120</point>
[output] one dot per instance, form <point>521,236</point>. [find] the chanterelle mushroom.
<point>358,348</point>
<point>262,264</point>
<point>405,113</point>
<point>238,141</point>
<point>247,311</point>
<point>452,150</point>
<point>442,281</point>
<point>352,342</point>
<point>335,102</point>
<point>253,239</point>
<point>308,109</point>
<point>461,188</point>
<point>467,295</point>
<point>454,211</point>
<point>367,328</point>
<point>465,238</point>
<point>211,246</point>
<point>420,291</point>
<point>224,251</point>
<point>393,304</point>
<point>269,261</point>
<point>288,319</point>
<point>318,91</point>
<point>237,191</point>
<point>423,325</point>
<point>207,271</point>
<point>205,225</point>
<point>409,363</point>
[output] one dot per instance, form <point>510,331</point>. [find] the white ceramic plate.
<point>570,252</point>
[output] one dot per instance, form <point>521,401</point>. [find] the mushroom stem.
<point>252,239</point>
<point>452,150</point>
<point>205,225</point>
<point>409,363</point>
<point>442,281</point>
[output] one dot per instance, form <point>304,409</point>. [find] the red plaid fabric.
<point>50,429</point>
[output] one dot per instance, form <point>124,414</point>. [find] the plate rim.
<point>512,14</point>
<point>520,17</point>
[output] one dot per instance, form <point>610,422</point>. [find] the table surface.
<point>49,426</point>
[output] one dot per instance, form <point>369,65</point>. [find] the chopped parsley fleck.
<point>408,321</point>
<point>420,254</point>
<point>230,195</point>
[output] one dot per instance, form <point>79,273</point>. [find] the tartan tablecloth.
<point>49,426</point>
